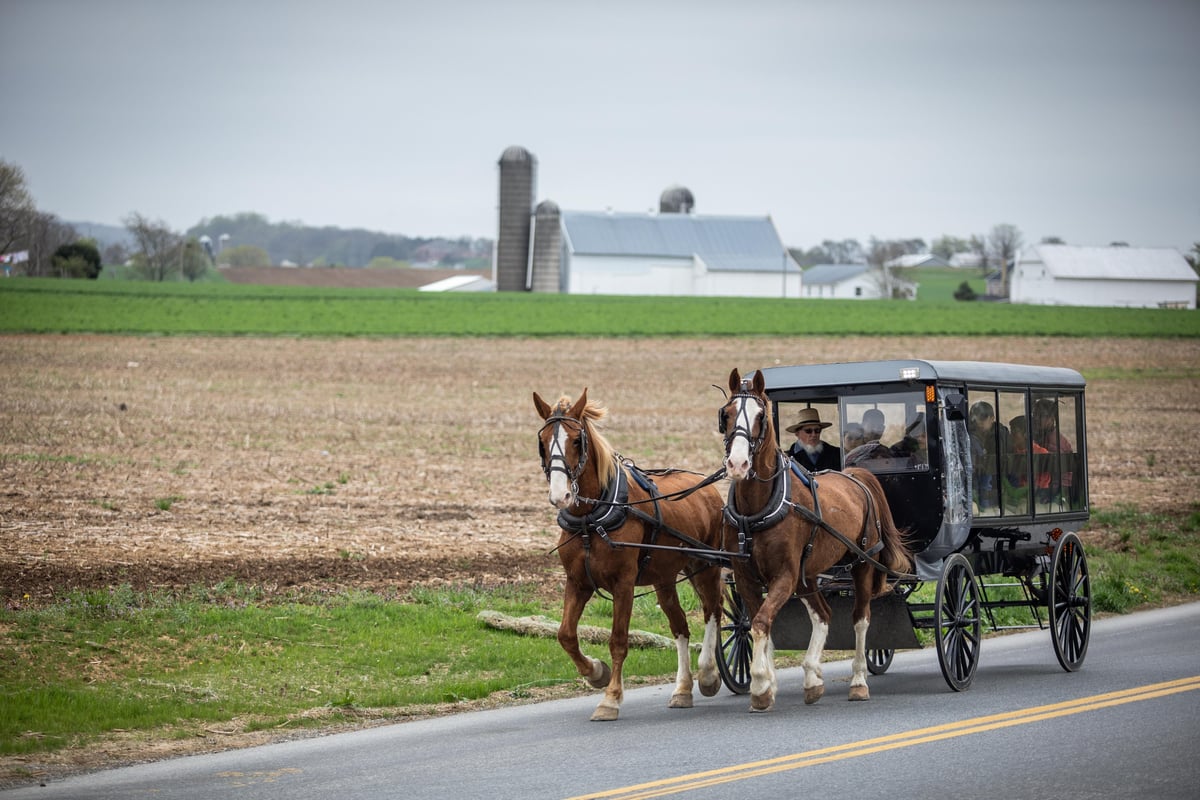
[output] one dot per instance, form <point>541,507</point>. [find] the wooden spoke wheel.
<point>879,660</point>
<point>958,622</point>
<point>1069,602</point>
<point>736,650</point>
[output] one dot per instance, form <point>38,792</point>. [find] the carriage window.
<point>893,432</point>
<point>989,422</point>
<point>1054,453</point>
<point>823,453</point>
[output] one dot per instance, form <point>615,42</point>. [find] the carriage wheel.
<point>733,660</point>
<point>1070,602</point>
<point>958,622</point>
<point>878,661</point>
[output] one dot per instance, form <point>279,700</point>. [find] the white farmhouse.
<point>1135,277</point>
<point>674,254</point>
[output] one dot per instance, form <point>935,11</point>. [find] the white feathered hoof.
<point>680,700</point>
<point>605,676</point>
<point>813,693</point>
<point>860,693</point>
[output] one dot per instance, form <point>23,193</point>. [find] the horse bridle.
<point>741,422</point>
<point>555,460</point>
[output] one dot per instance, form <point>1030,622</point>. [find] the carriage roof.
<point>900,370</point>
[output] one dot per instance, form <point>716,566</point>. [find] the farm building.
<point>1138,277</point>
<point>855,282</point>
<point>843,281</point>
<point>912,260</point>
<point>670,252</point>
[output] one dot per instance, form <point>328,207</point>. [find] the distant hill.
<point>305,244</point>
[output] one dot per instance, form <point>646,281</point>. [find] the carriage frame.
<point>992,523</point>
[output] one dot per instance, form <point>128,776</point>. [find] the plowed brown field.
<point>379,464</point>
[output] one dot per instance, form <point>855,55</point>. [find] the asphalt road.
<point>1127,723</point>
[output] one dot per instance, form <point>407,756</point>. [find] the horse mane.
<point>602,451</point>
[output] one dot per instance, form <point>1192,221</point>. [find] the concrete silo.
<point>676,200</point>
<point>546,261</point>
<point>518,185</point>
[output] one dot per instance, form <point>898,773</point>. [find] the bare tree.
<point>159,247</point>
<point>44,234</point>
<point>15,206</point>
<point>1003,244</point>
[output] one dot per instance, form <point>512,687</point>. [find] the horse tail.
<point>896,554</point>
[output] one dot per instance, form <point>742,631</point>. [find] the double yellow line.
<point>700,780</point>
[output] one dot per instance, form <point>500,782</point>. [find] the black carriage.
<point>985,465</point>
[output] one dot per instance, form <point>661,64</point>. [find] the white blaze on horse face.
<point>561,495</point>
<point>741,429</point>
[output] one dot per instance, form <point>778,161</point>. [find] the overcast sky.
<point>1071,118</point>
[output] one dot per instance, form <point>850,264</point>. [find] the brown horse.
<point>787,533</point>
<point>621,530</point>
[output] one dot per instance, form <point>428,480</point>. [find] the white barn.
<point>681,254</point>
<point>1135,277</point>
<point>843,282</point>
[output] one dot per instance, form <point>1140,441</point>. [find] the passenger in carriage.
<point>852,436</point>
<point>1018,472</point>
<point>873,425</point>
<point>915,444</point>
<point>988,441</point>
<point>808,450</point>
<point>1047,433</point>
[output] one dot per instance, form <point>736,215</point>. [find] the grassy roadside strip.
<point>221,658</point>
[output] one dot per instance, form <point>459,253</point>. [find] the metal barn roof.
<point>723,243</point>
<point>1112,263</point>
<point>828,274</point>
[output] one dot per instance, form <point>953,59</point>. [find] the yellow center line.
<point>699,780</point>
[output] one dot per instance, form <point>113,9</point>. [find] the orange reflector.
<point>929,394</point>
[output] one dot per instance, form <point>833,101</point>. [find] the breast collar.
<point>770,514</point>
<point>609,513</point>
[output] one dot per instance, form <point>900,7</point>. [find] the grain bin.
<point>518,177</point>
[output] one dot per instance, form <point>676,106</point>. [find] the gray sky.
<point>1071,118</point>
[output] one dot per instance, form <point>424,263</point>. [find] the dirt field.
<point>379,464</point>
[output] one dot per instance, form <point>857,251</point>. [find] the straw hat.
<point>808,416</point>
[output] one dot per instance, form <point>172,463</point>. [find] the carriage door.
<point>995,420</point>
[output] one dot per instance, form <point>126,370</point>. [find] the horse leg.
<point>668,601</point>
<point>763,684</point>
<point>609,707</point>
<point>708,586</point>
<point>819,614</point>
<point>593,670</point>
<point>863,580</point>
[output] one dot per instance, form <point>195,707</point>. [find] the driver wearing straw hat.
<point>809,451</point>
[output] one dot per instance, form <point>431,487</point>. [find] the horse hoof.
<point>605,677</point>
<point>710,689</point>
<point>813,694</point>
<point>860,693</point>
<point>605,714</point>
<point>680,701</point>
<point>762,703</point>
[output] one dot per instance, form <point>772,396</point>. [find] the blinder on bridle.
<point>556,459</point>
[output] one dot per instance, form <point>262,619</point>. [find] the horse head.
<point>745,421</point>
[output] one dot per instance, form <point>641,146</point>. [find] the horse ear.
<point>760,383</point>
<point>543,408</point>
<point>580,404</point>
<point>735,381</point>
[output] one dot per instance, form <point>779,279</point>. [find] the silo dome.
<point>676,200</point>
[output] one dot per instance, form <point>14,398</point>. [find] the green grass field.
<point>223,309</point>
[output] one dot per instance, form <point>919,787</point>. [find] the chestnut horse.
<point>789,527</point>
<point>620,530</point>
